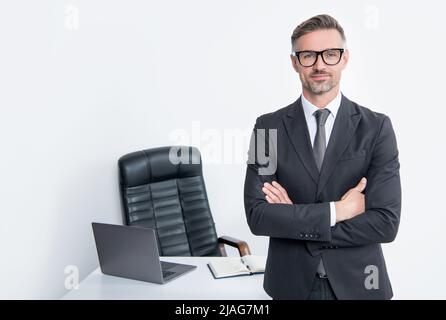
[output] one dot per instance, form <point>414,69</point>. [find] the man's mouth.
<point>320,77</point>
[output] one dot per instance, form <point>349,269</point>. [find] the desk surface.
<point>196,285</point>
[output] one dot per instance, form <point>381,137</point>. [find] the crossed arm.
<point>361,219</point>
<point>351,204</point>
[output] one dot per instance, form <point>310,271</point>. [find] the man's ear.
<point>345,58</point>
<point>294,63</point>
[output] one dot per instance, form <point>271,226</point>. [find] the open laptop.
<point>132,252</point>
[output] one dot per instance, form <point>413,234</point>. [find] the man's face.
<point>320,78</point>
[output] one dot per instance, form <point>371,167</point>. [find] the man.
<point>334,195</point>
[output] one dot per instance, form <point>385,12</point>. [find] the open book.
<point>234,267</point>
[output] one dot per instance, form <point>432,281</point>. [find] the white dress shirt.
<point>309,109</point>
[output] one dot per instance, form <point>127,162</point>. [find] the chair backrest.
<point>170,197</point>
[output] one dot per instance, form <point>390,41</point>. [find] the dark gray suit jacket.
<point>362,143</point>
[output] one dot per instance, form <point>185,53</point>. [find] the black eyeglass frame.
<point>319,53</point>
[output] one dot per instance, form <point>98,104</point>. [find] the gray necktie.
<point>319,147</point>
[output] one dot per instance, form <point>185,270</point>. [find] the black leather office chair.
<point>171,198</point>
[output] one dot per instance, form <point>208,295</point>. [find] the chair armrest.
<point>241,245</point>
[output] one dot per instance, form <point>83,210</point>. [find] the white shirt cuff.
<point>332,214</point>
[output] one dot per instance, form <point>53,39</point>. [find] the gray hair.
<point>319,22</point>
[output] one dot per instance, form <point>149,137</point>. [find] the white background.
<point>84,82</point>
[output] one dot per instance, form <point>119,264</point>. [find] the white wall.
<point>75,97</point>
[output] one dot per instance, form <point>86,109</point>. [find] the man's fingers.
<point>361,185</point>
<point>269,199</point>
<point>359,188</point>
<point>271,195</point>
<point>275,191</point>
<point>283,191</point>
<point>346,194</point>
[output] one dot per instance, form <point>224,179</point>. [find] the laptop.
<point>132,252</point>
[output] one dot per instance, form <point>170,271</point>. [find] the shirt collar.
<point>333,106</point>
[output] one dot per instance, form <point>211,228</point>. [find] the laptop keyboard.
<point>167,273</point>
<point>165,266</point>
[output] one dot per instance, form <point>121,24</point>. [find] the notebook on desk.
<point>237,266</point>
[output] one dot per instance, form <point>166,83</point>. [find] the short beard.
<point>319,89</point>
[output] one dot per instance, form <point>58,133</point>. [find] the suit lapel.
<point>345,125</point>
<point>297,130</point>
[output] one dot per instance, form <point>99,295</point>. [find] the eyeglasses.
<point>308,58</point>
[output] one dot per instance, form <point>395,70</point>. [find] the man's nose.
<point>319,64</point>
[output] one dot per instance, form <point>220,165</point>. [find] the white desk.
<point>196,285</point>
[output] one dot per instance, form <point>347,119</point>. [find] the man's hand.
<point>352,202</point>
<point>275,193</point>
